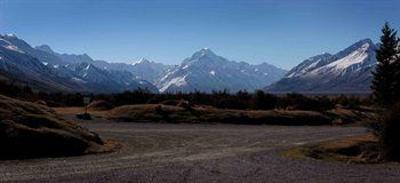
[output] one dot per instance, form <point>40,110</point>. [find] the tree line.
<point>258,100</point>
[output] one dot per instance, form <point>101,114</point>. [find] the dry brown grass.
<point>195,114</point>
<point>343,116</point>
<point>79,110</point>
<point>69,110</point>
<point>358,149</point>
<point>33,130</point>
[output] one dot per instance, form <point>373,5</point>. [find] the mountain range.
<point>143,69</point>
<point>348,71</point>
<point>48,71</point>
<point>44,69</point>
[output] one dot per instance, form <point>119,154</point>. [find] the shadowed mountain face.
<point>348,71</point>
<point>49,71</point>
<point>18,66</point>
<point>205,71</point>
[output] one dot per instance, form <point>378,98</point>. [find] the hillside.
<point>29,130</point>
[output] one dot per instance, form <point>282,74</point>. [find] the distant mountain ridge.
<point>142,70</point>
<point>205,71</point>
<point>46,70</point>
<point>348,71</point>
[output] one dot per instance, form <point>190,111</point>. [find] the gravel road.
<point>200,153</point>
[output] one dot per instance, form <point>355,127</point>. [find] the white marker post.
<point>86,101</point>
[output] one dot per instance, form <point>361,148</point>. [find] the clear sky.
<point>281,32</point>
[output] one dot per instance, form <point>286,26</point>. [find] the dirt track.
<point>200,153</point>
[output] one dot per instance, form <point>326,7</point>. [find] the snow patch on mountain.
<point>14,48</point>
<point>355,57</point>
<point>185,67</point>
<point>177,81</point>
<point>308,65</point>
<point>11,35</point>
<point>212,72</point>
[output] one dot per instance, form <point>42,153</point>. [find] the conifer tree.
<point>384,82</point>
<point>397,74</point>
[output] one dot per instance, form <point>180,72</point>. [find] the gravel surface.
<point>200,153</point>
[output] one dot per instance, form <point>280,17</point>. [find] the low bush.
<point>199,114</point>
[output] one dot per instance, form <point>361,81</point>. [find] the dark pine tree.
<point>383,84</point>
<point>397,73</point>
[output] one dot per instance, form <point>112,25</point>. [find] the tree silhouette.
<point>384,82</point>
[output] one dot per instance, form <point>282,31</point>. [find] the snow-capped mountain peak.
<point>205,71</point>
<point>355,54</point>
<point>364,43</point>
<point>355,57</point>
<point>205,52</point>
<point>142,61</point>
<point>348,70</point>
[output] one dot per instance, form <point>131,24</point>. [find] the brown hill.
<point>29,130</point>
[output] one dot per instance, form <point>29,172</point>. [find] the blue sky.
<point>281,32</point>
